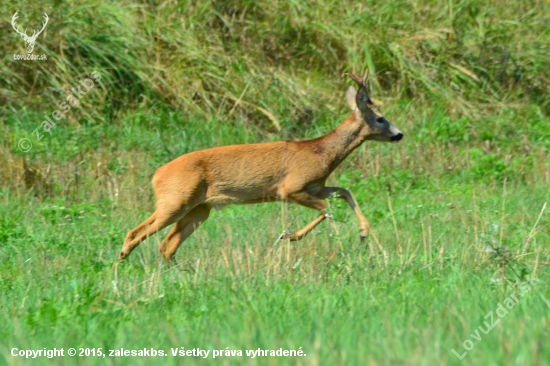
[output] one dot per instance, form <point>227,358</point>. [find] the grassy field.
<point>458,208</point>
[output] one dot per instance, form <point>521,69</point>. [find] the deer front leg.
<point>348,197</point>
<point>308,200</point>
<point>298,235</point>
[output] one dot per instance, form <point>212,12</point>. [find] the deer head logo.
<point>29,41</point>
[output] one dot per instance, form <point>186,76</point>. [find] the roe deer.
<point>188,187</point>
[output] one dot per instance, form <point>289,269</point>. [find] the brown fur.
<point>188,187</point>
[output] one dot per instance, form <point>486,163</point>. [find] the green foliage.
<point>466,81</point>
<point>286,57</point>
<point>10,230</point>
<point>487,165</point>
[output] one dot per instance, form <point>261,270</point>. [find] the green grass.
<point>457,208</point>
<point>411,298</point>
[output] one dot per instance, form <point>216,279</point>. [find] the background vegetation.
<point>457,209</point>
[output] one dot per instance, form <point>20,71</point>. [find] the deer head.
<point>29,41</point>
<point>380,129</point>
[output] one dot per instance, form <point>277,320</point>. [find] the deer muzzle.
<point>397,138</point>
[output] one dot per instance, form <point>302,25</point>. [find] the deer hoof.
<point>362,237</point>
<point>171,262</point>
<point>286,236</point>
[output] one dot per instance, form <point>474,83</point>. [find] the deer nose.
<point>397,137</point>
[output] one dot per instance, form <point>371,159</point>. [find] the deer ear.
<point>350,97</point>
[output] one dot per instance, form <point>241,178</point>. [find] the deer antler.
<point>43,26</point>
<point>25,35</point>
<point>13,19</point>
<point>361,81</point>
<point>29,41</point>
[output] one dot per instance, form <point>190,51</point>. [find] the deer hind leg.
<point>183,229</point>
<point>308,200</point>
<point>156,222</point>
<point>169,210</point>
<point>348,197</point>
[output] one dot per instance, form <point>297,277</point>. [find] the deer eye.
<point>380,120</point>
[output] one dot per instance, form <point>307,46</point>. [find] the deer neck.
<point>345,138</point>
